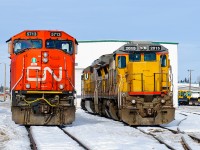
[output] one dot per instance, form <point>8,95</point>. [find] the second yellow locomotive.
<point>132,84</point>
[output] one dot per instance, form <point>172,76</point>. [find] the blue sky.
<point>155,20</point>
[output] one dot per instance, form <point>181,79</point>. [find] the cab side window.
<point>122,62</point>
<point>163,60</point>
<point>86,76</point>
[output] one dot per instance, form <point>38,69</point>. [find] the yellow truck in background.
<point>187,97</point>
<point>184,97</point>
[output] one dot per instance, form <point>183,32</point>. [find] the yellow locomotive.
<point>133,85</point>
<point>184,97</point>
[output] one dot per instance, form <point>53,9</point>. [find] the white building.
<point>187,86</point>
<point>88,51</point>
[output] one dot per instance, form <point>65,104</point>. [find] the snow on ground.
<point>175,123</point>
<point>98,132</point>
<point>191,124</point>
<point>186,121</point>
<point>52,138</point>
<point>190,142</point>
<point>163,135</point>
<point>12,136</point>
<point>189,109</point>
<point>101,133</point>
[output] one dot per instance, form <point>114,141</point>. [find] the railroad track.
<point>188,141</point>
<point>33,145</point>
<point>157,132</point>
<point>164,135</point>
<point>179,140</point>
<point>195,138</point>
<point>183,142</point>
<point>191,141</point>
<point>172,139</point>
<point>53,137</point>
<point>75,139</point>
<point>195,113</point>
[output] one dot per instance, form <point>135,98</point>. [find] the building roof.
<point>95,41</point>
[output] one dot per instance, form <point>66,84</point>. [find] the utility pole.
<point>4,87</point>
<point>190,79</point>
<point>4,81</point>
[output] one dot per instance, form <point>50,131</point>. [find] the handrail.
<point>119,91</point>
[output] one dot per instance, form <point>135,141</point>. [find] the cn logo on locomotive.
<point>44,73</point>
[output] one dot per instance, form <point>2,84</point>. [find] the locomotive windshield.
<point>21,45</point>
<point>149,56</point>
<point>135,57</point>
<point>60,44</point>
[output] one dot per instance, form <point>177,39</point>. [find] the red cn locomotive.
<point>42,77</point>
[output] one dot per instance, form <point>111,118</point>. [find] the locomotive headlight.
<point>61,86</point>
<point>45,54</point>
<point>28,86</point>
<point>170,94</point>
<point>133,101</point>
<point>162,101</point>
<point>141,48</point>
<point>45,60</point>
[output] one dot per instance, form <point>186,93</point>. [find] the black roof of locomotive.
<point>139,44</point>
